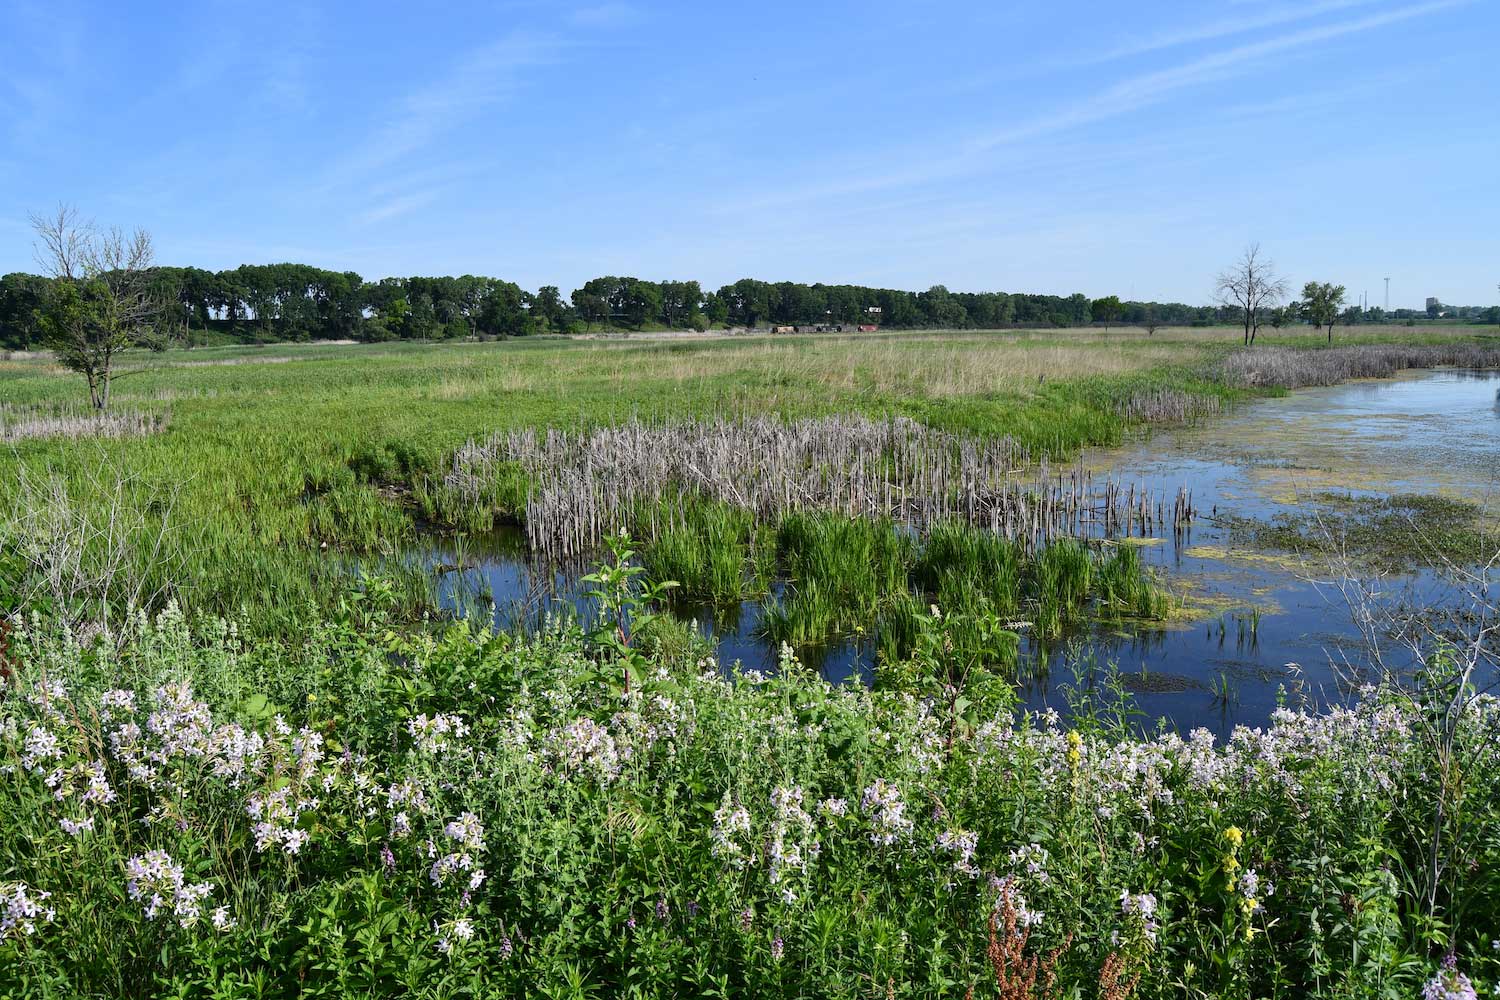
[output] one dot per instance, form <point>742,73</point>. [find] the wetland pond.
<point>1260,606</point>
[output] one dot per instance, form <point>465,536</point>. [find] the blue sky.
<point>1103,147</point>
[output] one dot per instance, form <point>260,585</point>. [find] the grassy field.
<point>275,456</point>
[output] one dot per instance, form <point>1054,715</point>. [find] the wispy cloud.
<point>481,79</point>
<point>381,167</point>
<point>606,15</point>
<point>286,64</point>
<point>1314,103</point>
<point>1212,30</point>
<point>1128,95</point>
<point>398,206</point>
<point>41,64</point>
<point>1144,89</point>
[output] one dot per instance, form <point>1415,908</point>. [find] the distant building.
<point>827,327</point>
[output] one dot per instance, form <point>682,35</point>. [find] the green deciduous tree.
<point>102,300</point>
<point>548,308</point>
<point>748,301</point>
<point>21,298</point>
<point>1321,302</point>
<point>941,309</point>
<point>639,301</point>
<point>1106,310</point>
<point>681,302</point>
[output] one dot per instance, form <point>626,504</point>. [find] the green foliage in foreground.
<point>355,811</point>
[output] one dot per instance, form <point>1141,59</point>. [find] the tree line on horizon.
<point>104,294</point>
<point>298,302</point>
<point>291,302</point>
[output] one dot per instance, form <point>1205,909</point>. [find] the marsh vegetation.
<point>639,477</point>
<point>1388,533</point>
<point>19,423</point>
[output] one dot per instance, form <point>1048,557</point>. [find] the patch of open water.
<point>1429,432</point>
<point>1267,622</point>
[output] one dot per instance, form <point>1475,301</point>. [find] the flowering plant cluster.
<point>357,812</point>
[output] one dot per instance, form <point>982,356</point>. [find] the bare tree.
<point>1252,286</point>
<point>101,301</point>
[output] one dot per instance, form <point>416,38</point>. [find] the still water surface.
<point>1268,623</point>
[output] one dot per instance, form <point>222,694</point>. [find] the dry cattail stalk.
<point>642,477</point>
<point>19,423</point>
<point>1290,368</point>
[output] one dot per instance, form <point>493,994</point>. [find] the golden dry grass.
<point>932,365</point>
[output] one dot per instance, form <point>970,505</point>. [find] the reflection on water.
<point>1430,433</point>
<point>1278,625</point>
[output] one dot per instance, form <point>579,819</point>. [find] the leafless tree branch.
<point>1252,286</point>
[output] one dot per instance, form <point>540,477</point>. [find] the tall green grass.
<point>840,568</point>
<point>963,568</point>
<point>824,578</point>
<point>1122,586</point>
<point>711,554</point>
<point>845,577</point>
